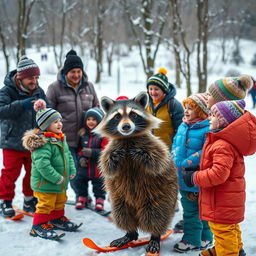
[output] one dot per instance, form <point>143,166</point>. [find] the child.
<point>221,175</point>
<point>228,88</point>
<point>52,167</point>
<point>186,151</point>
<point>91,145</point>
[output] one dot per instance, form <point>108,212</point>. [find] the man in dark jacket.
<point>71,95</point>
<point>17,115</point>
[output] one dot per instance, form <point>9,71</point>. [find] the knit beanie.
<point>228,111</point>
<point>230,88</point>
<point>199,103</point>
<point>95,112</point>
<point>27,68</point>
<point>160,79</point>
<point>72,61</point>
<point>45,116</point>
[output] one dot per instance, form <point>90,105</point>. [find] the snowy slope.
<point>14,237</point>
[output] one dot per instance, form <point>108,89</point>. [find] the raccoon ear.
<point>106,103</point>
<point>142,99</point>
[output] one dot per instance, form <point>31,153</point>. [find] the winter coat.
<point>51,160</point>
<point>95,142</point>
<point>221,175</point>
<point>187,148</point>
<point>14,119</point>
<point>171,112</point>
<point>71,103</point>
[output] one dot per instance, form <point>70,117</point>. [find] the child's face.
<point>91,122</point>
<point>189,113</point>
<point>210,100</point>
<point>213,122</point>
<point>155,92</point>
<point>55,126</point>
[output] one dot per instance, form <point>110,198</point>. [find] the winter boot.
<point>205,244</point>
<point>45,231</point>
<point>99,205</point>
<point>63,223</point>
<point>212,252</point>
<point>179,226</point>
<point>6,208</point>
<point>30,205</point>
<point>183,246</point>
<point>81,202</point>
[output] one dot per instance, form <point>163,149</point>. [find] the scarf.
<point>194,121</point>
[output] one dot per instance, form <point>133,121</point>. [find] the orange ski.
<point>141,241</point>
<point>16,217</point>
<point>18,210</point>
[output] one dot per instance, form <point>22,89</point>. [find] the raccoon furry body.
<point>137,168</point>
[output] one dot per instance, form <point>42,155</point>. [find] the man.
<point>71,95</point>
<point>17,115</point>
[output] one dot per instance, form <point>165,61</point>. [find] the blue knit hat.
<point>95,112</point>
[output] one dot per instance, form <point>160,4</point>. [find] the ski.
<point>141,241</point>
<point>18,210</point>
<point>15,217</point>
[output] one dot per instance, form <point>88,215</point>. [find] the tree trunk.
<point>6,55</point>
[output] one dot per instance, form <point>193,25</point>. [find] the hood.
<point>8,80</point>
<point>32,140</point>
<point>241,134</point>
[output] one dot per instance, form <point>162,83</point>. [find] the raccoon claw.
<point>154,245</point>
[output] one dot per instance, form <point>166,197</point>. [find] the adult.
<point>253,93</point>
<point>164,105</point>
<point>71,95</point>
<point>17,115</point>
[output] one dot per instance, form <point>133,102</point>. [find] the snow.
<point>14,236</point>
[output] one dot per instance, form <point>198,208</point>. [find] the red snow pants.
<point>13,161</point>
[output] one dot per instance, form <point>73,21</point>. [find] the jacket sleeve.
<point>72,164</point>
<point>9,109</point>
<point>177,113</point>
<point>51,96</point>
<point>218,173</point>
<point>42,161</point>
<point>96,151</point>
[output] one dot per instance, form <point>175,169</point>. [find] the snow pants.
<point>50,206</point>
<point>13,160</point>
<point>228,239</point>
<point>195,230</point>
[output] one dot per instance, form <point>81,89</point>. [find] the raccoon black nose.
<point>126,127</point>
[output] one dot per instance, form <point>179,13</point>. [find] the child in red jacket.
<point>221,175</point>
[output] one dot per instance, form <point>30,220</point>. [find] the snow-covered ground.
<point>14,236</point>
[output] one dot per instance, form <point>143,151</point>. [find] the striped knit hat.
<point>228,111</point>
<point>201,100</point>
<point>230,88</point>
<point>45,116</point>
<point>95,112</point>
<point>160,79</point>
<point>27,68</point>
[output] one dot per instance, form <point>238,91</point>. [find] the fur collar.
<point>32,140</point>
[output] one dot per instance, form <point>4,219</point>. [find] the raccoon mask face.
<point>126,118</point>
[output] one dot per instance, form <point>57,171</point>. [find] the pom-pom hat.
<point>228,111</point>
<point>72,61</point>
<point>45,116</point>
<point>27,68</point>
<point>230,88</point>
<point>160,79</point>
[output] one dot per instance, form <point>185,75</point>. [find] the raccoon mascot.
<point>138,171</point>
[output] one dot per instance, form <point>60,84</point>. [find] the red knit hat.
<point>27,68</point>
<point>122,98</point>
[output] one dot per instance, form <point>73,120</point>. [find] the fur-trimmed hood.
<point>32,140</point>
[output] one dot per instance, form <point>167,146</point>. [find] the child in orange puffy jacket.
<point>221,175</point>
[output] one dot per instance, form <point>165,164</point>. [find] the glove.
<point>188,179</point>
<point>87,152</point>
<point>28,103</point>
<point>83,162</point>
<point>192,168</point>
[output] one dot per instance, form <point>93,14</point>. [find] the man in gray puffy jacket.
<point>17,115</point>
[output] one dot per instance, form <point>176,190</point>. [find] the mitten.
<point>28,103</point>
<point>188,179</point>
<point>87,152</point>
<point>83,162</point>
<point>192,168</point>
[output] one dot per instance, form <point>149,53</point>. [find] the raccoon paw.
<point>140,155</point>
<point>115,158</point>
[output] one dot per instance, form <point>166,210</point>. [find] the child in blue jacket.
<point>186,152</point>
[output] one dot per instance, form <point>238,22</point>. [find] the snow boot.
<point>179,226</point>
<point>205,244</point>
<point>99,205</point>
<point>63,223</point>
<point>212,252</point>
<point>183,246</point>
<point>30,205</point>
<point>6,209</point>
<point>45,231</point>
<point>81,202</point>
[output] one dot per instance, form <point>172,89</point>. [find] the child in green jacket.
<point>52,167</point>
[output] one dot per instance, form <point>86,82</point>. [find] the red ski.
<point>141,241</point>
<point>18,210</point>
<point>15,217</point>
